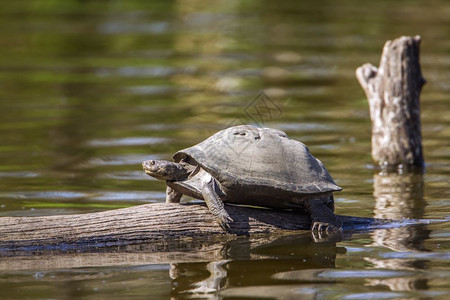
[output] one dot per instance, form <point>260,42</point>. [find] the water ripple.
<point>122,27</point>
<point>305,127</point>
<point>417,255</point>
<point>119,160</point>
<point>45,195</point>
<point>131,175</point>
<point>18,174</point>
<point>129,141</point>
<point>347,274</point>
<point>134,196</point>
<point>157,71</point>
<point>150,90</point>
<point>374,295</point>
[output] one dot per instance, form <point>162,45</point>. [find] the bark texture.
<point>158,223</point>
<point>393,90</point>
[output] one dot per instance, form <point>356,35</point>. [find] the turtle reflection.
<point>247,261</point>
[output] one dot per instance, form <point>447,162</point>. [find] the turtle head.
<point>165,170</point>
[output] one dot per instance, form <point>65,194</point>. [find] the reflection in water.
<point>399,196</point>
<point>401,284</point>
<point>217,275</point>
<point>249,262</point>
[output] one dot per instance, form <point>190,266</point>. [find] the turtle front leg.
<point>322,217</point>
<point>215,205</point>
<point>172,196</point>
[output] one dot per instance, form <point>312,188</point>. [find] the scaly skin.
<point>215,205</point>
<point>322,217</point>
<point>172,196</point>
<point>165,170</point>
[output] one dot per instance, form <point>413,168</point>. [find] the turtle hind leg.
<point>322,217</point>
<point>215,205</point>
<point>172,196</point>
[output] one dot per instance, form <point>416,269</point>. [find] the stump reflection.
<point>399,196</point>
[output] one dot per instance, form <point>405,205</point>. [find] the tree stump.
<point>393,90</point>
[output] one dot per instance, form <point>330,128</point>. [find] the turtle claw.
<point>324,227</point>
<point>224,222</point>
<point>325,232</point>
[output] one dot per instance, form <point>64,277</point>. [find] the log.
<point>393,91</point>
<point>162,224</point>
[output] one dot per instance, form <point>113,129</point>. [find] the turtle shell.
<point>262,160</point>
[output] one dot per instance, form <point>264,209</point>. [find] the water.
<point>88,90</point>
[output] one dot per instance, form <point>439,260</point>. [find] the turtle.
<point>251,165</point>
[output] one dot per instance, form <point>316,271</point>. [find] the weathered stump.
<point>393,90</point>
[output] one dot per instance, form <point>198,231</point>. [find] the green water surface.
<point>90,89</point>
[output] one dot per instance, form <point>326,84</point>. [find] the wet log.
<point>160,223</point>
<point>393,90</point>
